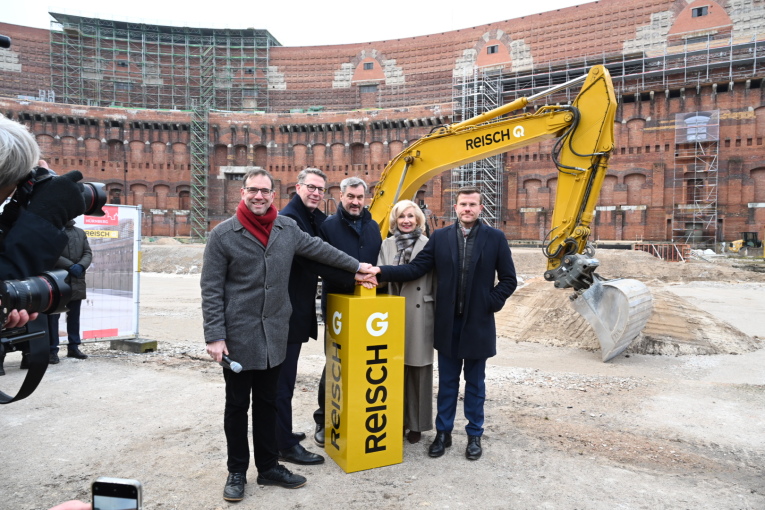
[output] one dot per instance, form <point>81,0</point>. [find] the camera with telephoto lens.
<point>47,293</point>
<point>94,193</point>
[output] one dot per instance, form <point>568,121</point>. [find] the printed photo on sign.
<point>111,307</point>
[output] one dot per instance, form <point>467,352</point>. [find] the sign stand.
<point>365,379</point>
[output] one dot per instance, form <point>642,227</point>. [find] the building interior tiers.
<point>171,117</point>
<point>99,62</point>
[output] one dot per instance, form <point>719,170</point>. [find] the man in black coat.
<point>465,256</point>
<point>351,230</point>
<point>304,209</point>
<point>75,259</point>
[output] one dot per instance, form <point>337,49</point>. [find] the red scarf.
<point>259,226</point>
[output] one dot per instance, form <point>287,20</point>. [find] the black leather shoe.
<point>439,445</point>
<point>281,476</point>
<point>318,436</point>
<point>53,359</point>
<point>75,352</point>
<point>299,455</point>
<point>473,450</point>
<point>234,489</point>
<point>298,435</point>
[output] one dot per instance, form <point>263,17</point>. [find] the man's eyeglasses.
<point>311,188</point>
<point>254,191</point>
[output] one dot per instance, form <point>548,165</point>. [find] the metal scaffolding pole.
<point>474,94</point>
<point>101,62</point>
<point>694,208</point>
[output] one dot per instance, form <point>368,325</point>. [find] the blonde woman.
<point>407,224</point>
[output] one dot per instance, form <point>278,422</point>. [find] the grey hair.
<point>352,182</point>
<point>19,152</point>
<point>315,171</point>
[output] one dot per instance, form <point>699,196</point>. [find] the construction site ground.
<point>676,422</point>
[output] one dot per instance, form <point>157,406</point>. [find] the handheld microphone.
<point>229,363</point>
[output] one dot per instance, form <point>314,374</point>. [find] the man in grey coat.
<point>246,310</point>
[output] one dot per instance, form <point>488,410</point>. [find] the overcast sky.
<point>294,22</point>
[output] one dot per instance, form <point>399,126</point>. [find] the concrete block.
<point>138,345</point>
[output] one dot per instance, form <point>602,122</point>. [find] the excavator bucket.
<point>617,310</point>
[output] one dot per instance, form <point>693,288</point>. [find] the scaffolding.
<point>694,208</point>
<point>200,146</point>
<point>103,62</point>
<point>473,94</point>
<point>681,65</point>
<point>98,62</point>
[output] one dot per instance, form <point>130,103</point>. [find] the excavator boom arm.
<point>617,309</point>
<point>586,128</point>
<point>447,149</point>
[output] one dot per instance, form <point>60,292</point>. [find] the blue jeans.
<point>449,370</point>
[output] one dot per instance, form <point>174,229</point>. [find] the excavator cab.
<point>750,240</point>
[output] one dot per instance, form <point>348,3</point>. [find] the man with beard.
<point>353,231</point>
<point>466,258</point>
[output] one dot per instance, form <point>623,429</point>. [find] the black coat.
<point>76,251</point>
<point>31,247</point>
<point>491,254</point>
<point>303,275</point>
<point>365,247</point>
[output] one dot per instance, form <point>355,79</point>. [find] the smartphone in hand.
<point>116,494</point>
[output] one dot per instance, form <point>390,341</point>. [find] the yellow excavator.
<point>616,309</point>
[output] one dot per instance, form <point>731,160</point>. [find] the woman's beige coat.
<point>420,305</point>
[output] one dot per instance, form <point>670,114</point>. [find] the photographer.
<point>36,238</point>
<point>31,234</point>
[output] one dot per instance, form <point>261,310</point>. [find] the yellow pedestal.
<point>365,380</point>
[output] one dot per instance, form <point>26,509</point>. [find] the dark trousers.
<point>318,414</point>
<point>261,384</point>
<point>72,326</point>
<point>73,322</point>
<point>449,370</point>
<point>53,332</point>
<point>284,392</point>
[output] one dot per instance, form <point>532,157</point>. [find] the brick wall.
<point>143,155</point>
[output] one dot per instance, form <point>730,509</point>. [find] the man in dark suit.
<point>304,209</point>
<point>465,256</point>
<point>353,231</point>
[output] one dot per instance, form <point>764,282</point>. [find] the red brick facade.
<point>405,87</point>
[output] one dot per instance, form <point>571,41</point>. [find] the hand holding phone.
<point>116,494</point>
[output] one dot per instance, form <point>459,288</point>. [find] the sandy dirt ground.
<point>682,427</point>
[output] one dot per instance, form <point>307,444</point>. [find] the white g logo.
<point>518,131</point>
<point>381,327</point>
<point>337,324</point>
